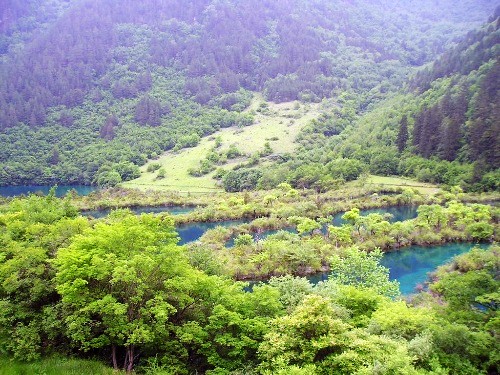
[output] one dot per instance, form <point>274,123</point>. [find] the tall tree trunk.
<point>129,359</point>
<point>125,361</point>
<point>113,356</point>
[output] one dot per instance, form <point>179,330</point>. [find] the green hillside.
<point>87,98</point>
<point>277,125</point>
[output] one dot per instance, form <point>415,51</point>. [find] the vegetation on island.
<point>120,290</point>
<point>274,119</point>
<point>306,246</point>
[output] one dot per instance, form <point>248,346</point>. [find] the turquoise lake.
<point>174,210</point>
<point>411,265</point>
<point>12,191</point>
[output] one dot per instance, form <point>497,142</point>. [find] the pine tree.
<point>108,129</point>
<point>402,134</point>
<point>417,130</point>
<point>54,157</point>
<point>484,129</point>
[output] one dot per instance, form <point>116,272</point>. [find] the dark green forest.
<point>90,90</point>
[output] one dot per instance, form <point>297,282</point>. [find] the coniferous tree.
<point>108,129</point>
<point>66,119</point>
<point>449,139</point>
<point>484,129</point>
<point>417,130</point>
<point>148,111</point>
<point>54,157</point>
<point>402,134</point>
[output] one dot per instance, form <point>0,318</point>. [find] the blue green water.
<point>192,231</point>
<point>411,265</point>
<point>12,191</point>
<point>174,210</point>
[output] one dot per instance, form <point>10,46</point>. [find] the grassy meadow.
<point>278,124</point>
<point>55,366</point>
<point>395,182</point>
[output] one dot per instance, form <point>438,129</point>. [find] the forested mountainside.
<point>442,127</point>
<point>447,114</point>
<point>91,89</point>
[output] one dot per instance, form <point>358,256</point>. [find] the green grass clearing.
<point>282,122</point>
<point>55,366</point>
<point>422,187</point>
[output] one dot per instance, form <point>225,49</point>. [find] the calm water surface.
<point>174,210</point>
<point>411,265</point>
<point>12,191</point>
<point>193,231</point>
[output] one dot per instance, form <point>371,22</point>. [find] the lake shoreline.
<point>322,275</point>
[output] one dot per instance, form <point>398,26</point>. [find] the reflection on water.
<point>193,231</point>
<point>174,210</point>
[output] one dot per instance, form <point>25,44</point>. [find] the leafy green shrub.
<point>243,240</point>
<point>153,167</point>
<point>108,179</point>
<point>161,174</point>
<point>480,231</point>
<point>242,179</point>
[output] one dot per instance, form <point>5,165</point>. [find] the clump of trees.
<point>122,290</point>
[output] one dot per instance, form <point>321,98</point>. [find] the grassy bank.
<point>401,182</point>
<point>55,366</point>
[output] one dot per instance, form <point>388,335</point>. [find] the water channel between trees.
<point>410,266</point>
<point>61,190</point>
<point>174,210</point>
<point>193,231</point>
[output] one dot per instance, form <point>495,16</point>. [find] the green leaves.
<point>117,279</point>
<point>30,233</point>
<point>362,269</point>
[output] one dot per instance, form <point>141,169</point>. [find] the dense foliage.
<point>122,290</point>
<point>443,129</point>
<point>86,85</point>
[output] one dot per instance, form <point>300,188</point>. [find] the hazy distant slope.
<point>96,84</point>
<point>287,48</point>
<point>453,117</point>
<point>22,21</point>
